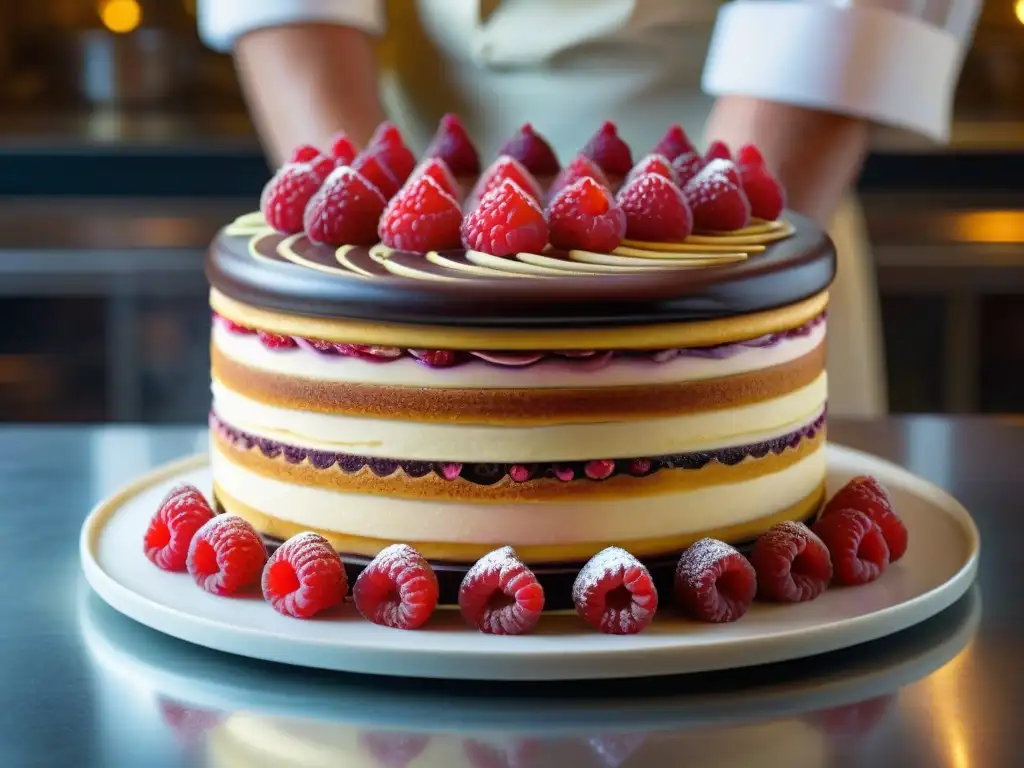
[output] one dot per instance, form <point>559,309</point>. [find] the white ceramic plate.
<point>937,569</point>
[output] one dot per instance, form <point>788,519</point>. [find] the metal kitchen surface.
<point>85,686</point>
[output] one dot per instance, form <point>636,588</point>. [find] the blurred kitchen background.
<point>124,145</point>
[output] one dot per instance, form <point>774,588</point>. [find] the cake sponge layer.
<point>525,406</point>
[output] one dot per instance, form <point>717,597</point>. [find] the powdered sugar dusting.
<point>501,572</point>
<point>702,558</point>
<point>653,163</point>
<point>646,186</point>
<point>226,525</point>
<point>710,183</point>
<point>398,556</point>
<point>599,599</point>
<point>610,563</point>
<point>792,563</point>
<point>343,172</point>
<point>507,169</point>
<point>499,560</point>
<point>398,589</point>
<point>307,552</point>
<point>789,531</point>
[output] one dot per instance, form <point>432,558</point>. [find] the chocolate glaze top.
<point>360,288</point>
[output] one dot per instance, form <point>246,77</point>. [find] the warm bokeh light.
<point>1018,9</point>
<point>987,226</point>
<point>120,16</point>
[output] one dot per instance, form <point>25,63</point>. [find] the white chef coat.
<point>567,65</point>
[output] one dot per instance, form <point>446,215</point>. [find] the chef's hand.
<point>816,155</point>
<point>305,82</point>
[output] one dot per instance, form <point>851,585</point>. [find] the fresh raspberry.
<point>393,749</point>
<point>323,166</point>
<point>718,150</point>
<point>857,547</point>
<point>501,596</point>
<point>578,168</point>
<point>505,169</point>
<point>674,143</point>
<point>304,153</point>
<point>310,155</point>
<point>766,195</point>
<point>276,340</point>
<point>714,582</point>
<point>653,163</point>
<point>749,155</point>
<point>506,221</point>
<point>345,211</point>
<point>183,511</point>
<point>867,495</point>
<point>727,168</point>
<point>390,148</point>
<point>609,151</point>
<point>792,564</point>
<point>373,169</point>
<point>530,149</point>
<point>614,593</point>
<point>584,215</point>
<point>655,209</point>
<point>397,589</point>
<point>304,576</point>
<point>435,168</point>
<point>285,196</point>
<point>343,149</point>
<point>717,202</point>
<point>452,144</point>
<point>686,166</point>
<point>225,555</point>
<point>421,218</point>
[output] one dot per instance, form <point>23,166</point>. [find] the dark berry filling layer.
<point>491,473</point>
<point>446,358</point>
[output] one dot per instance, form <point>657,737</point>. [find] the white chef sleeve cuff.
<point>865,62</point>
<point>222,22</point>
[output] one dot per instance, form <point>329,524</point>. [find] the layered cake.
<point>615,354</point>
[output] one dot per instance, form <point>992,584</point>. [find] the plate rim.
<point>790,698</point>
<point>663,660</point>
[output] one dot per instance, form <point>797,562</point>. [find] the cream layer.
<point>623,371</point>
<point>550,523</point>
<point>387,438</point>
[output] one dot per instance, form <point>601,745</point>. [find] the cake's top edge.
<point>291,274</point>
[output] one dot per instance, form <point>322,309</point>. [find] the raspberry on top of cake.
<point>524,204</point>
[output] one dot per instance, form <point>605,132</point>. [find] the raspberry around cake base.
<point>556,578</point>
<point>936,571</point>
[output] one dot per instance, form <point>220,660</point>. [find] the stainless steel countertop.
<point>84,686</point>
